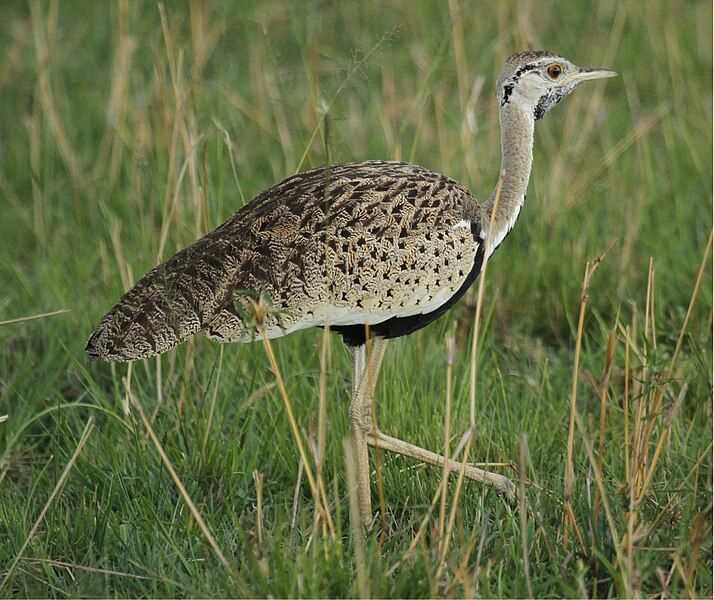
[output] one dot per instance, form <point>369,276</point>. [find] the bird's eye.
<point>554,71</point>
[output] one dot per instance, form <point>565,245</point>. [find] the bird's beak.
<point>589,73</point>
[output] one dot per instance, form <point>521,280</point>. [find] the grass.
<point>128,129</point>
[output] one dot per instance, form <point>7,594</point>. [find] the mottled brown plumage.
<point>348,245</point>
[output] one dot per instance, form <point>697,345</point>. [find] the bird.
<point>373,250</point>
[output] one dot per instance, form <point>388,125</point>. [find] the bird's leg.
<point>368,380</point>
<point>359,436</point>
<point>365,370</point>
<point>502,484</point>
<point>366,433</point>
<point>374,437</point>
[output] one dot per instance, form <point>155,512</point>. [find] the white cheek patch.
<point>530,88</point>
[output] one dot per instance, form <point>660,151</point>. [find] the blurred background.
<point>128,129</point>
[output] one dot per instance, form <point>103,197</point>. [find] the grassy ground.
<point>127,130</point>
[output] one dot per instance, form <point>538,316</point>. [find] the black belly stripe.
<point>355,335</point>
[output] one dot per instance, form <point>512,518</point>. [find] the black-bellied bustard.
<point>377,248</point>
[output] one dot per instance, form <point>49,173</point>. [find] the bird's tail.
<point>165,307</point>
<point>152,317</point>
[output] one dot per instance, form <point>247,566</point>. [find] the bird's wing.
<point>375,241</point>
<point>318,246</point>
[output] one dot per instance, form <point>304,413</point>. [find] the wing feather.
<point>348,244</point>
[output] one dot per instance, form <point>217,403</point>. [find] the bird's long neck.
<point>517,146</point>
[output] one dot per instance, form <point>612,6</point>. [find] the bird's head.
<point>537,80</point>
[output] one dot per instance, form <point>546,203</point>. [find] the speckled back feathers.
<point>350,244</point>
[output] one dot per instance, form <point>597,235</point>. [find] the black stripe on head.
<point>513,80</point>
<point>524,69</point>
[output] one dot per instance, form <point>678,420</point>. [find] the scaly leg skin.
<point>365,369</point>
<point>359,436</point>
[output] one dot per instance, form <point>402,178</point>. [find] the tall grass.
<point>129,129</point>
